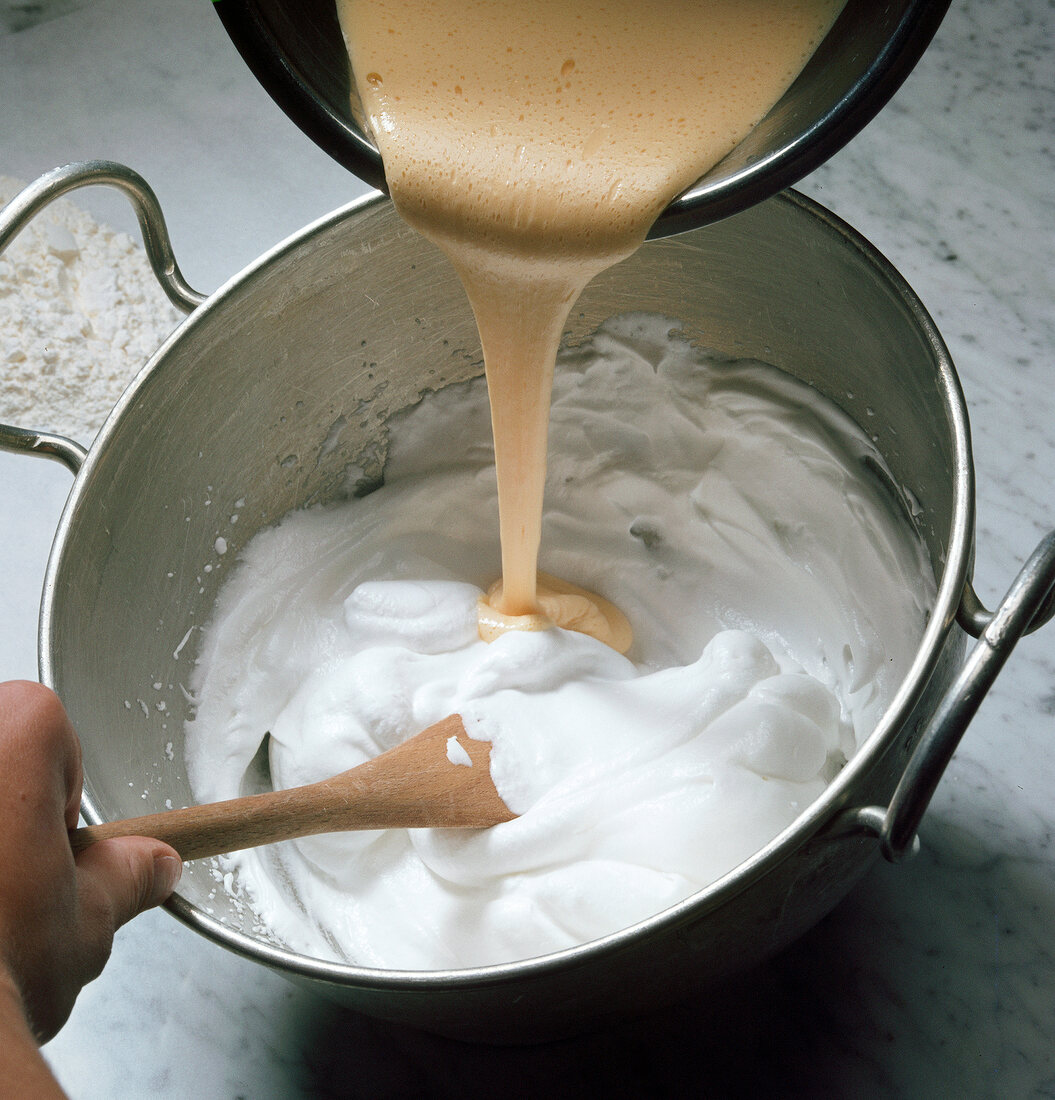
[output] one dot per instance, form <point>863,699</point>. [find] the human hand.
<point>58,913</point>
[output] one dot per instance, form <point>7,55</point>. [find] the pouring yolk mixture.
<point>536,143</point>
<point>730,514</point>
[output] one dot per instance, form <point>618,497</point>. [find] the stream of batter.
<point>536,143</point>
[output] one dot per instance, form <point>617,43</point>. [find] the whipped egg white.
<point>776,593</point>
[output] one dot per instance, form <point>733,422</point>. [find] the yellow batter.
<point>535,143</point>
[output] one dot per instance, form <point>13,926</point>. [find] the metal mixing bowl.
<point>286,377</point>
<point>296,51</point>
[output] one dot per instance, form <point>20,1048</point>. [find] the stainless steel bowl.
<point>296,51</point>
<point>286,377</point>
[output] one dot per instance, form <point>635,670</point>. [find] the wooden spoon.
<point>413,786</point>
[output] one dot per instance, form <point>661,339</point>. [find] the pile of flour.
<point>80,313</point>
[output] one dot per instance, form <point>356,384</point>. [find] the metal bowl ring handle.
<point>66,451</point>
<point>973,616</point>
<point>25,206</point>
<point>1029,603</point>
<point>32,199</point>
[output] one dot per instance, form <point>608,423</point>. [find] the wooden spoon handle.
<point>414,785</point>
<point>200,831</point>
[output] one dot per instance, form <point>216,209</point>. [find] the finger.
<point>122,877</point>
<point>40,749</point>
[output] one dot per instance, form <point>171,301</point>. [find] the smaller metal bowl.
<point>296,51</point>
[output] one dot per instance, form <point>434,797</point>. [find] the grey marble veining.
<point>935,978</point>
<point>20,15</point>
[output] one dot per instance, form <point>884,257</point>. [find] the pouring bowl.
<point>296,51</point>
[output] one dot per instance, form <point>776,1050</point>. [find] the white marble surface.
<point>936,978</point>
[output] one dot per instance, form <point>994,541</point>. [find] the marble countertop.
<point>934,978</point>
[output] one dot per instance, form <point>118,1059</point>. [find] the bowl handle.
<point>17,214</point>
<point>1029,603</point>
<point>25,206</point>
<point>63,450</point>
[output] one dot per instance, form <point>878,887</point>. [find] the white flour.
<point>80,313</point>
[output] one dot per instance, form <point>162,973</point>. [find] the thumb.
<point>122,877</point>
